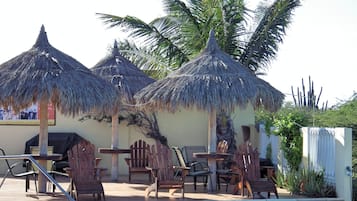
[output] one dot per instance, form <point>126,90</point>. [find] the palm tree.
<point>167,42</point>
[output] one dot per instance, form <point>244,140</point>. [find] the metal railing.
<point>41,169</point>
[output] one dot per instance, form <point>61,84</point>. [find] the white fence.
<point>327,149</point>
<point>330,149</point>
<point>321,152</point>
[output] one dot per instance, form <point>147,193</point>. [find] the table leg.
<point>212,180</point>
<point>115,168</point>
<point>42,180</point>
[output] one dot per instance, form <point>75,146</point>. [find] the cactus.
<point>308,99</point>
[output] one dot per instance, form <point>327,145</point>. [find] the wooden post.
<point>43,142</point>
<point>212,140</point>
<point>115,145</point>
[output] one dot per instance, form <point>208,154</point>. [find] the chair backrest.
<point>9,166</point>
<point>81,160</point>
<point>188,153</point>
<point>248,162</point>
<point>138,154</point>
<point>222,146</point>
<point>160,158</point>
<point>180,157</point>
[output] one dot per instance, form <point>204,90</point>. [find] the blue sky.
<point>321,41</point>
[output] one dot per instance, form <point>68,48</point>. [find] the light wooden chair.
<point>196,169</point>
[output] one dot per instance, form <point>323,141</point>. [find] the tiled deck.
<point>14,190</point>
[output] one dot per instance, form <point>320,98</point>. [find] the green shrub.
<point>293,182</point>
<point>311,182</point>
<point>354,189</point>
<point>279,180</point>
<point>305,182</point>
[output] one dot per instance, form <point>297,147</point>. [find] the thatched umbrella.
<point>129,79</point>
<point>212,81</point>
<point>44,74</point>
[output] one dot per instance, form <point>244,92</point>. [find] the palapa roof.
<point>46,72</point>
<point>213,80</point>
<point>122,73</point>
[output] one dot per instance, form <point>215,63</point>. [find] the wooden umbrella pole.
<point>212,140</point>
<point>43,142</point>
<point>115,145</point>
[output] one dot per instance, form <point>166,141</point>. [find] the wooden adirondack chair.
<point>248,162</point>
<point>163,171</point>
<point>138,160</point>
<point>83,171</point>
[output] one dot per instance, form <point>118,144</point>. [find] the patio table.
<point>115,166</point>
<point>212,158</point>
<point>43,161</point>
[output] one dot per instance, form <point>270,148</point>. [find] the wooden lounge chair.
<point>138,160</point>
<point>83,171</point>
<point>196,169</point>
<point>248,162</point>
<point>10,171</point>
<point>163,171</point>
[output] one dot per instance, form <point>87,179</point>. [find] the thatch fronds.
<point>211,80</point>
<point>128,78</point>
<point>43,72</point>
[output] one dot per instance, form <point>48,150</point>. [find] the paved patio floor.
<point>14,190</point>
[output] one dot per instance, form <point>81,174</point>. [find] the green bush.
<point>305,182</point>
<point>279,180</point>
<point>354,189</point>
<point>287,122</point>
<point>293,182</point>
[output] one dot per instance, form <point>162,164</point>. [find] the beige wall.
<point>185,127</point>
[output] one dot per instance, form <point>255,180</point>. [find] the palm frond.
<point>178,9</point>
<point>263,44</point>
<point>156,36</point>
<point>233,15</point>
<point>151,62</point>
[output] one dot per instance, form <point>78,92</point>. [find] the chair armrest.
<point>270,170</point>
<point>97,161</point>
<point>201,165</point>
<point>153,171</point>
<point>127,160</point>
<point>184,170</point>
<point>68,170</point>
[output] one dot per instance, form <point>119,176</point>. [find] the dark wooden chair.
<point>138,160</point>
<point>163,171</point>
<point>83,171</point>
<point>248,162</point>
<point>196,169</point>
<point>223,172</point>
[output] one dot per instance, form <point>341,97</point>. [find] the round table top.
<point>211,155</point>
<point>113,151</point>
<point>52,157</point>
